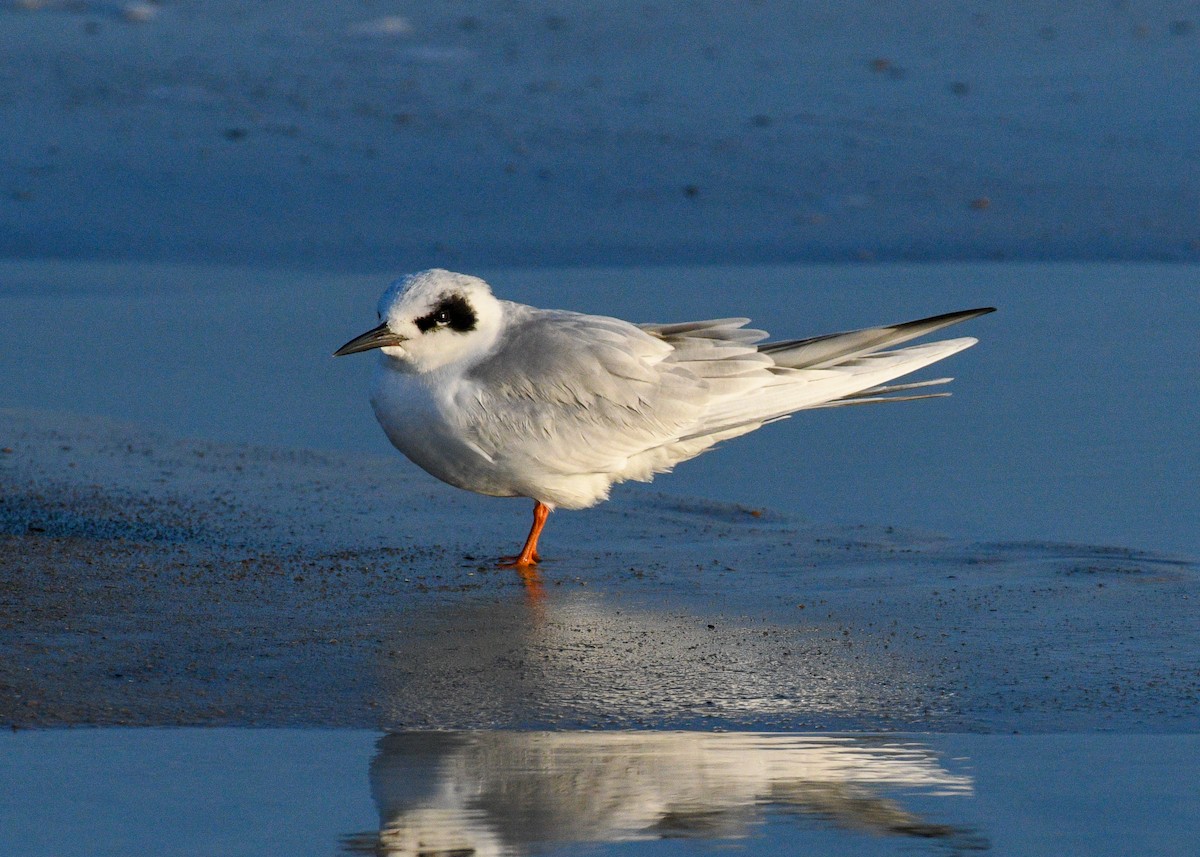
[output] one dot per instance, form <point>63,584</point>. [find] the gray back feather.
<point>820,352</point>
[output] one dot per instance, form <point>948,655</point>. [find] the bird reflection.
<point>513,793</point>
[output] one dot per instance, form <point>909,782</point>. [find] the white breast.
<point>436,420</point>
<point>418,416</point>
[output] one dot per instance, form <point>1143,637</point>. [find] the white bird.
<point>510,400</point>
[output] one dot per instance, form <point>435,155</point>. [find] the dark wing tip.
<point>949,317</point>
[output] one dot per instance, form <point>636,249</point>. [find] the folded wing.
<point>596,400</point>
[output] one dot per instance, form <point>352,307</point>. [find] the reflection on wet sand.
<point>578,660</point>
<point>512,793</point>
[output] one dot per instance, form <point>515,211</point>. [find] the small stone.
<point>139,13</point>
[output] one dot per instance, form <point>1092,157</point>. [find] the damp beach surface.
<point>234,621</point>
<point>368,136</point>
<point>154,581</point>
<point>201,529</point>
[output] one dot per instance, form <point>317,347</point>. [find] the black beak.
<point>377,337</point>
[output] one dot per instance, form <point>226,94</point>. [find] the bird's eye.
<point>441,317</point>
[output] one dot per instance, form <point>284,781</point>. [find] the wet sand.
<point>150,580</point>
<point>361,136</point>
<point>793,582</point>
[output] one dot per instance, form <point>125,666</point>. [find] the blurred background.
<point>380,134</point>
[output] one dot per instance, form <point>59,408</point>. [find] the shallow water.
<point>319,792</point>
<point>1072,420</point>
<point>312,137</point>
<point>993,637</point>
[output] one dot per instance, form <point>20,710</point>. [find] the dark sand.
<point>147,580</point>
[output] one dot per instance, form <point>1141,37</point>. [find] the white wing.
<point>586,394</point>
<point>594,400</point>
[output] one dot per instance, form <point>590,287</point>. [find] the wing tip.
<point>948,318</point>
<point>978,311</point>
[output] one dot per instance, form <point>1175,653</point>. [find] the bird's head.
<point>432,319</point>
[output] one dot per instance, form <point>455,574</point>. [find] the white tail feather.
<point>856,380</point>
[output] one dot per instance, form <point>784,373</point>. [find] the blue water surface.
<point>235,792</point>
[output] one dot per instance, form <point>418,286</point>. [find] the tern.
<point>510,400</point>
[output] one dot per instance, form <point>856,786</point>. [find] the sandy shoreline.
<point>337,135</point>
<point>963,624</point>
<point>155,581</point>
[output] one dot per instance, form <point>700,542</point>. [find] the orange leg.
<point>528,556</point>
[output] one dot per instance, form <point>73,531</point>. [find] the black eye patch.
<point>453,312</point>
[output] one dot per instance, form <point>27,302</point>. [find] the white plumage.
<point>510,400</point>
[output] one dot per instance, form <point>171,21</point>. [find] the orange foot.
<point>519,561</point>
<point>529,557</point>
